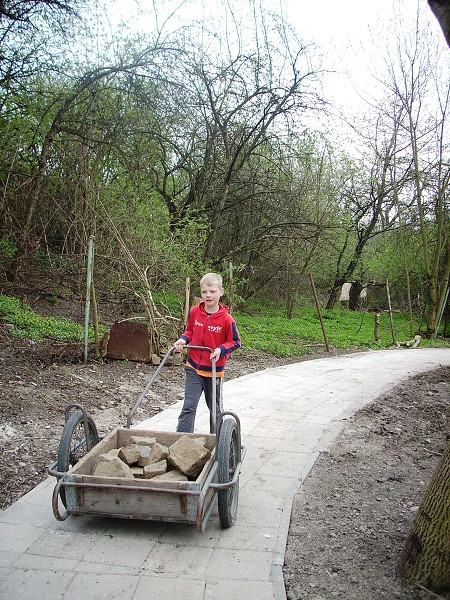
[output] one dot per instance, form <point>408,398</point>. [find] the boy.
<point>209,324</point>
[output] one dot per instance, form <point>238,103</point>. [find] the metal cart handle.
<point>156,373</point>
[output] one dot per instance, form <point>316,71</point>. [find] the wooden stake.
<point>394,339</point>
<point>87,307</point>
<point>319,312</point>
<point>376,328</point>
<point>187,304</point>
<point>230,287</point>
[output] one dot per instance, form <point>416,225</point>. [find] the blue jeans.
<point>194,386</point>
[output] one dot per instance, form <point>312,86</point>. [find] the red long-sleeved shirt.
<point>217,330</point>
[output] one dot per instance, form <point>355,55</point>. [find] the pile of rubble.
<point>145,458</point>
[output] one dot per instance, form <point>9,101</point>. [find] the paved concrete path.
<point>288,415</point>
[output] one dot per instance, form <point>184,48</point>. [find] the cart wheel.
<point>73,443</point>
<point>228,457</point>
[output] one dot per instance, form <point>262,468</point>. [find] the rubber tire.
<point>69,439</point>
<point>228,457</point>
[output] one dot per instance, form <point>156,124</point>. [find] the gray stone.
<point>171,476</point>
<point>130,454</point>
<point>138,472</point>
<point>141,440</point>
<point>199,440</point>
<point>155,360</point>
<point>114,467</point>
<point>114,453</point>
<point>155,469</point>
<point>187,456</point>
<point>158,452</point>
<point>144,456</point>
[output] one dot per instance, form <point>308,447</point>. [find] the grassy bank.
<point>261,328</point>
<point>27,324</point>
<point>272,332</point>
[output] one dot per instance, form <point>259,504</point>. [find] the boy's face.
<point>211,295</point>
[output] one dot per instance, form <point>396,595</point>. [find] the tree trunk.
<point>425,559</point>
<point>354,295</point>
<point>215,224</point>
<point>441,10</point>
<point>438,284</point>
<point>446,319</point>
<point>332,297</point>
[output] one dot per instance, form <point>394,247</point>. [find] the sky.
<point>347,30</point>
<point>344,31</point>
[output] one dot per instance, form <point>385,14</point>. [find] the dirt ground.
<point>353,512</point>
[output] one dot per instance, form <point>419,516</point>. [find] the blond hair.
<point>212,279</point>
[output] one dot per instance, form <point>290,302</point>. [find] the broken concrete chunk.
<point>108,456</point>
<point>158,452</point>
<point>144,456</point>
<point>187,456</point>
<point>130,454</point>
<point>155,360</point>
<point>199,440</point>
<point>171,476</point>
<point>112,468</point>
<point>138,472</point>
<point>155,469</point>
<point>113,452</point>
<point>141,440</point>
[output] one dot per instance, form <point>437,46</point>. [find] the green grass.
<point>32,326</point>
<point>274,333</point>
<point>265,329</point>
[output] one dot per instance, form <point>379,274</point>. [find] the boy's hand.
<point>179,345</point>
<point>215,354</point>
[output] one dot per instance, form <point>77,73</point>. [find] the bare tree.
<point>245,125</point>
<point>220,110</point>
<point>279,216</point>
<point>422,93</point>
<point>368,204</point>
<point>25,11</point>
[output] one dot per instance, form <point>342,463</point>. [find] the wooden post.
<point>230,287</point>
<point>319,312</point>
<point>187,295</point>
<point>95,318</point>
<point>376,328</point>
<point>441,312</point>
<point>88,297</point>
<point>394,339</point>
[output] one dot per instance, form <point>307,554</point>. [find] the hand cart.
<point>158,500</point>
